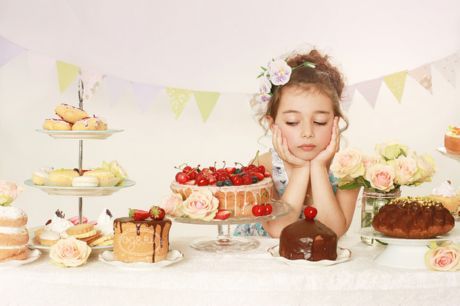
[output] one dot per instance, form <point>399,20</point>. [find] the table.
<point>252,278</point>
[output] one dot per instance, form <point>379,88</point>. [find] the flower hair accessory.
<point>277,73</point>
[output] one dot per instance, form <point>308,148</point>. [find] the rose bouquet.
<point>8,192</point>
<point>391,166</point>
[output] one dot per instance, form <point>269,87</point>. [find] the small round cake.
<point>141,241</point>
<point>452,140</point>
<point>413,218</point>
<point>13,234</point>
<point>308,239</point>
<point>70,113</point>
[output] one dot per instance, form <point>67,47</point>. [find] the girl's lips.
<point>307,148</point>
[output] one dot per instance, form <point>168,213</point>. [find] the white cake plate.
<point>80,134</point>
<point>406,253</point>
<point>443,151</point>
<point>81,191</point>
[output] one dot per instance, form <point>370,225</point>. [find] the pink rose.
<point>172,205</point>
<point>443,258</point>
<point>200,205</point>
<point>70,252</point>
<point>8,192</point>
<point>381,177</point>
<point>348,165</point>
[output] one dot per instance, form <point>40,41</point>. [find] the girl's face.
<point>306,121</point>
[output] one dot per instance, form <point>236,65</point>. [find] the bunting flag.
<point>446,67</point>
<point>422,75</point>
<point>178,98</point>
<point>370,90</point>
<point>67,74</point>
<point>8,51</point>
<point>347,96</point>
<point>145,94</point>
<point>206,100</point>
<point>395,83</point>
<point>114,88</point>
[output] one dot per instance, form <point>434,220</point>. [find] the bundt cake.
<point>413,218</point>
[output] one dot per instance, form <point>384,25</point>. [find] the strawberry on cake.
<point>236,189</point>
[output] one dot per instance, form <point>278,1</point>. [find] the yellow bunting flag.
<point>395,83</point>
<point>67,73</point>
<point>178,98</point>
<point>206,100</point>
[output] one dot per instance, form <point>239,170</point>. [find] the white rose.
<point>70,252</point>
<point>201,205</point>
<point>348,164</point>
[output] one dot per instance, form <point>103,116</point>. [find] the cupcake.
<point>445,194</point>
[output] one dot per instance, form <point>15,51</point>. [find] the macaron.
<point>81,231</point>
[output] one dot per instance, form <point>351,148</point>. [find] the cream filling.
<point>11,212</point>
<point>12,230</point>
<point>84,235</point>
<point>13,247</point>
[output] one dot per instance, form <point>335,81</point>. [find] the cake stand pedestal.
<point>225,242</point>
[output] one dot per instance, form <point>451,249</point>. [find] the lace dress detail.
<point>280,180</point>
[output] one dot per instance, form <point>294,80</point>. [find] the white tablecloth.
<point>251,278</point>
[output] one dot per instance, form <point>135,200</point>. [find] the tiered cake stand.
<point>80,192</point>
<point>225,242</point>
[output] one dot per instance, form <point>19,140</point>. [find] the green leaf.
<point>351,185</point>
<point>263,68</point>
<point>260,75</point>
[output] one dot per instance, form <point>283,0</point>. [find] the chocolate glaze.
<point>308,239</point>
<point>153,223</point>
<point>413,218</point>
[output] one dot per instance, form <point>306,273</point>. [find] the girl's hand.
<point>325,157</point>
<point>281,147</point>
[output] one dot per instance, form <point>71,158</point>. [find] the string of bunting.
<point>145,94</point>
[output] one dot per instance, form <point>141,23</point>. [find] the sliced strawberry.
<point>157,213</point>
<point>223,214</point>
<point>138,214</point>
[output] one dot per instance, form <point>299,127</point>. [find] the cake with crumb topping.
<point>413,218</point>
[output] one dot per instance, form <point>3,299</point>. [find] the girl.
<point>302,97</point>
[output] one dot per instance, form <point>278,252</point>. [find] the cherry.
<point>257,210</point>
<point>267,174</point>
<point>230,170</point>
<point>187,169</point>
<point>247,180</point>
<point>310,212</point>
<point>202,181</point>
<point>212,179</point>
<point>181,177</point>
<point>237,181</point>
<point>260,176</point>
<point>268,209</point>
<point>261,169</point>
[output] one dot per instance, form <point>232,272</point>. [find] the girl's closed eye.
<point>320,122</point>
<point>292,123</point>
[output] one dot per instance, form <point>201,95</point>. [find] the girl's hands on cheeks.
<point>325,157</point>
<point>281,147</point>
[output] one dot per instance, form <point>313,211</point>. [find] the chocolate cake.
<point>413,218</point>
<point>141,241</point>
<point>308,239</point>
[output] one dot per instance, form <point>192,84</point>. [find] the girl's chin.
<point>306,156</point>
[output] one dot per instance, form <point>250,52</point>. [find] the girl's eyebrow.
<point>297,112</point>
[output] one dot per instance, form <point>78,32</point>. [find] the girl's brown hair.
<point>324,78</point>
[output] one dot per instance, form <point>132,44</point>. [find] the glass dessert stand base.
<point>406,253</point>
<point>225,242</point>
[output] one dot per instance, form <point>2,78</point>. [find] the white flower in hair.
<point>265,86</point>
<point>279,72</point>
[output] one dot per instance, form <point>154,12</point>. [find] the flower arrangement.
<point>393,165</point>
<point>8,192</point>
<point>444,256</point>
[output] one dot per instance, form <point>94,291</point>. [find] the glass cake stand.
<point>225,242</point>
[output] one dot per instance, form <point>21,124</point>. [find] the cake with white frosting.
<point>13,234</point>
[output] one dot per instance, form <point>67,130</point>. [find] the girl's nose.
<point>307,131</point>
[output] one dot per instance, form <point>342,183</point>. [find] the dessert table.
<point>250,278</point>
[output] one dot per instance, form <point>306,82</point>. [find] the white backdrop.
<point>210,45</point>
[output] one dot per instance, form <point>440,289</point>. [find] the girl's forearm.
<point>294,195</point>
<point>325,201</point>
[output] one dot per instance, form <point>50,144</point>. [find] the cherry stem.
<point>255,158</point>
<point>224,164</point>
